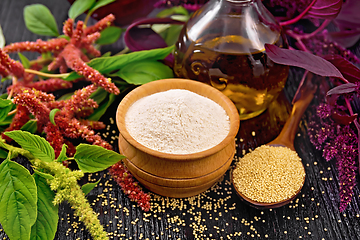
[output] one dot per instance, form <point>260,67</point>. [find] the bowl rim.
<point>182,84</point>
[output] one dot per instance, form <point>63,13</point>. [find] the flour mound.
<point>177,121</point>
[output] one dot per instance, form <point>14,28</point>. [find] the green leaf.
<point>66,96</point>
<point>100,111</point>
<point>44,175</point>
<point>144,72</point>
<point>30,126</point>
<point>2,38</point>
<point>100,4</point>
<point>36,145</point>
<point>109,64</point>
<point>24,60</point>
<point>171,35</point>
<point>86,188</point>
<point>92,158</point>
<point>46,223</point>
<point>7,120</point>
<point>52,115</point>
<point>171,11</point>
<point>3,154</point>
<point>5,103</point>
<point>5,108</point>
<point>62,156</point>
<point>109,35</point>
<point>78,7</point>
<point>107,54</point>
<point>99,95</point>
<point>39,20</point>
<point>18,193</point>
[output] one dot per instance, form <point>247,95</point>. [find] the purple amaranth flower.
<point>321,45</point>
<point>346,164</point>
<point>337,142</point>
<point>293,7</point>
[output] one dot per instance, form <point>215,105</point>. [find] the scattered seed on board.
<point>269,174</point>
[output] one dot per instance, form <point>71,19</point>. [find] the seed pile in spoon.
<point>269,174</point>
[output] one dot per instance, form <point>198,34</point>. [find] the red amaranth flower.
<point>53,45</point>
<point>95,125</point>
<point>3,71</point>
<point>50,85</point>
<point>131,188</point>
<point>68,27</point>
<point>71,55</point>
<point>54,137</point>
<point>11,65</point>
<point>100,25</point>
<point>72,128</point>
<point>21,117</point>
<point>77,34</point>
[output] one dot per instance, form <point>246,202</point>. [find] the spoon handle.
<point>287,134</point>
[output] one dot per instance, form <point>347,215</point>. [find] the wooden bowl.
<point>177,175</point>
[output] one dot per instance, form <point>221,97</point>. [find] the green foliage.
<point>47,218</point>
<point>145,71</point>
<point>5,107</point>
<point>109,64</point>
<point>24,60</point>
<point>27,209</point>
<point>52,115</point>
<point>18,209</point>
<point>62,156</point>
<point>44,175</point>
<point>109,35</point>
<point>100,4</point>
<point>92,158</point>
<point>100,111</point>
<point>78,7</point>
<point>86,188</point>
<point>30,126</point>
<point>179,10</point>
<point>99,95</point>
<point>36,145</point>
<point>39,20</point>
<point>3,154</point>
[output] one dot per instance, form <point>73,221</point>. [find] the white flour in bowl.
<point>177,121</point>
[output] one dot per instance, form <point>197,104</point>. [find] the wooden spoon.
<point>286,137</point>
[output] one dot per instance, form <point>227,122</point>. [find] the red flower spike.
<point>54,137</point>
<point>12,66</point>
<point>53,45</point>
<point>3,71</point>
<point>95,125</point>
<point>50,85</point>
<point>68,27</point>
<point>74,129</point>
<point>70,151</point>
<point>56,63</point>
<point>127,183</point>
<point>21,117</point>
<point>91,50</point>
<point>72,54</point>
<point>100,25</point>
<point>77,34</point>
<point>33,102</point>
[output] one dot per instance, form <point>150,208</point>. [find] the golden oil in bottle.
<point>236,64</point>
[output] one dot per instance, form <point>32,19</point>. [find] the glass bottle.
<point>222,44</point>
